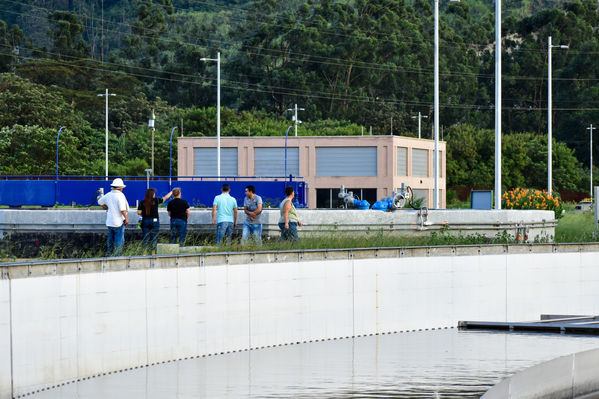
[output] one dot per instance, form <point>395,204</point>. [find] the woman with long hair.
<point>148,213</point>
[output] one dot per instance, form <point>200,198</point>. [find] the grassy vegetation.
<point>575,227</point>
<point>61,250</point>
<point>572,227</point>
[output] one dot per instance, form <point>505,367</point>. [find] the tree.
<point>10,42</point>
<point>67,37</point>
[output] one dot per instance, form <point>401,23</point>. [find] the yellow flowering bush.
<point>524,198</point>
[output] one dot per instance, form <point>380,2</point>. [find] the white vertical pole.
<point>106,135</point>
<point>549,133</point>
<point>218,115</point>
<point>436,106</point>
<point>498,104</point>
<point>295,120</point>
<point>153,133</point>
<point>590,129</point>
<point>419,123</point>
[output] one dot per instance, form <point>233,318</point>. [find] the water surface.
<point>427,364</point>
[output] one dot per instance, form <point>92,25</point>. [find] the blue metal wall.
<point>30,191</point>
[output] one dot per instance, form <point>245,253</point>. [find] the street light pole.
<point>498,104</point>
<point>106,94</point>
<point>549,114</point>
<point>170,158</point>
<point>152,125</point>
<point>419,117</point>
<point>436,200</point>
<point>217,59</point>
<point>591,153</point>
<point>295,117</point>
<point>58,137</point>
<point>286,134</point>
<point>436,109</point>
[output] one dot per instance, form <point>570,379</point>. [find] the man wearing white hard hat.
<point>116,218</point>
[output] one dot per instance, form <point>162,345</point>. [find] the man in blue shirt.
<point>224,214</point>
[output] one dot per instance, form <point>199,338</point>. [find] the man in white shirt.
<point>116,217</point>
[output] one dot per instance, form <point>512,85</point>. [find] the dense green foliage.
<point>349,63</point>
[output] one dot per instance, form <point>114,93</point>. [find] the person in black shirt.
<point>148,213</point>
<point>178,210</point>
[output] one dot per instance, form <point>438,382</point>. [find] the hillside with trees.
<point>351,64</point>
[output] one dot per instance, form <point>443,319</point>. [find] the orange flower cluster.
<point>524,198</point>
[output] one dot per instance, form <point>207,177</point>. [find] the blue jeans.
<point>253,229</point>
<point>150,231</point>
<point>290,233</point>
<point>115,240</point>
<point>223,229</point>
<point>178,230</point>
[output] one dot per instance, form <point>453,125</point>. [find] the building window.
<point>402,161</point>
<point>419,162</point>
<point>327,198</point>
<point>346,161</point>
<point>270,161</point>
<point>204,162</point>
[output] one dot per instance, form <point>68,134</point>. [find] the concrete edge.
<point>571,376</point>
<point>13,270</point>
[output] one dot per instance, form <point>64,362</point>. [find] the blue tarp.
<point>30,191</point>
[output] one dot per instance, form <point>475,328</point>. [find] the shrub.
<point>524,198</point>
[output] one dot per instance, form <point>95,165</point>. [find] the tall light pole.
<point>217,59</point>
<point>436,90</point>
<point>106,94</point>
<point>590,129</point>
<point>151,124</point>
<point>62,127</point>
<point>419,117</point>
<point>170,158</point>
<point>497,104</point>
<point>549,114</point>
<point>295,117</point>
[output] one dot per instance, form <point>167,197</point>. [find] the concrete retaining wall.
<point>533,224</point>
<point>76,319</point>
<point>566,377</point>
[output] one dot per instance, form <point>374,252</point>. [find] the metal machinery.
<point>398,199</point>
<point>352,201</point>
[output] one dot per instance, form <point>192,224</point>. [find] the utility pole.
<point>295,117</point>
<point>106,94</point>
<point>151,124</point>
<point>549,114</point>
<point>590,129</point>
<point>217,59</point>
<point>419,117</point>
<point>498,193</point>
<point>436,199</point>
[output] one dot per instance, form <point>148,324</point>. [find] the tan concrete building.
<point>370,166</point>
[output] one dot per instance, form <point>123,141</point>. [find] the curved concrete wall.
<point>83,318</point>
<point>572,376</point>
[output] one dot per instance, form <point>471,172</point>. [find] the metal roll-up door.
<point>419,162</point>
<point>270,161</point>
<point>346,161</point>
<point>402,161</point>
<point>204,162</point>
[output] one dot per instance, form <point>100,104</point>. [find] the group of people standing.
<point>224,216</point>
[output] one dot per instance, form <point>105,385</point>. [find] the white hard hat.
<point>118,182</point>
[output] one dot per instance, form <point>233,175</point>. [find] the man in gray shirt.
<point>252,205</point>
